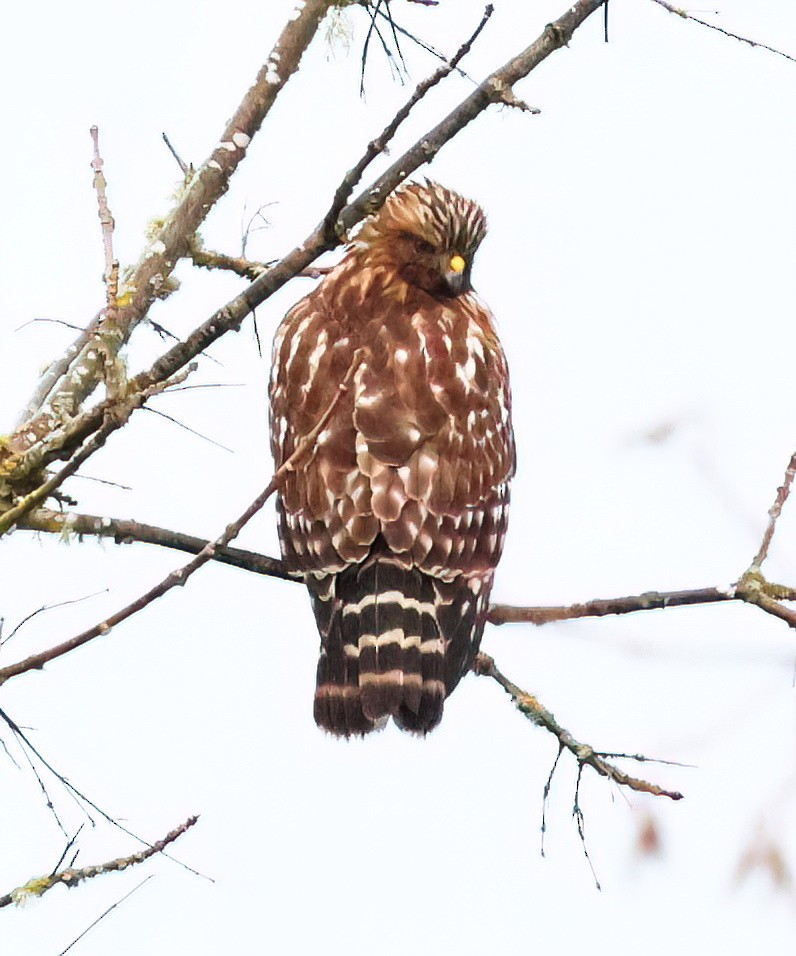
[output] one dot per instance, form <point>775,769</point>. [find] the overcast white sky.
<point>640,263</point>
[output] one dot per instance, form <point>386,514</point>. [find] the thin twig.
<point>187,428</point>
<point>49,607</point>
<point>534,710</point>
<point>107,222</point>
<point>107,481</point>
<point>546,797</point>
<point>80,798</point>
<point>185,169</point>
<point>249,227</point>
<point>774,512</point>
<point>303,451</point>
<point>373,28</point>
<point>38,886</point>
<point>378,145</point>
<point>62,322</point>
<point>164,333</point>
<point>424,46</point>
<point>680,12</point>
<point>115,415</point>
<point>28,749</point>
<point>69,844</point>
<point>105,912</point>
<point>580,821</point>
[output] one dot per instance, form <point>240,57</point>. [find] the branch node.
<point>502,92</point>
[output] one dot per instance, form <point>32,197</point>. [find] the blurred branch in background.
<point>686,15</point>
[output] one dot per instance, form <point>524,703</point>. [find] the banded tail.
<point>394,643</point>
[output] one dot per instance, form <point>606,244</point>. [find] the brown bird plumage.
<point>397,521</point>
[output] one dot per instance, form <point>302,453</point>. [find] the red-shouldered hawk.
<point>398,519</point>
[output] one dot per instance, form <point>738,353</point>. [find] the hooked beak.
<point>457,275</point>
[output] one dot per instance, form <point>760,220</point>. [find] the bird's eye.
<point>423,247</point>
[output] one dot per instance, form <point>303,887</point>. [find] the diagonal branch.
<point>680,12</point>
<point>497,88</point>
<point>773,514</point>
<point>303,451</point>
<point>72,876</point>
<point>169,243</point>
<point>586,755</point>
<point>378,145</point>
<point>115,414</point>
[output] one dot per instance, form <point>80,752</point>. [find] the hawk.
<point>397,520</point>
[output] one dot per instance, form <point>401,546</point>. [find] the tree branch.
<point>497,88</point>
<point>304,450</point>
<point>330,225</point>
<point>680,12</point>
<point>70,877</point>
<point>245,268</point>
<point>649,600</point>
<point>773,514</point>
<point>586,755</point>
<point>125,531</point>
<point>169,243</point>
<point>115,413</point>
<point>751,588</point>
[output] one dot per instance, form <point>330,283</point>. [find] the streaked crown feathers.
<point>431,212</point>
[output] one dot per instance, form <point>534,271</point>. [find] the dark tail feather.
<point>337,705</point>
<point>428,713</point>
<point>395,642</point>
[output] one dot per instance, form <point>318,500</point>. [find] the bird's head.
<point>428,236</point>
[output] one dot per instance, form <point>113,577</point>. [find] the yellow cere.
<point>457,264</point>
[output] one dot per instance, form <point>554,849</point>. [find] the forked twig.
<point>585,754</point>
